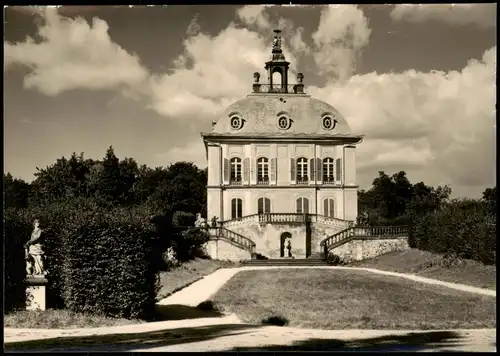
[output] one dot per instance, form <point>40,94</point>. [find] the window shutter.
<point>226,170</point>
<point>325,207</point>
<point>319,170</point>
<point>267,205</point>
<point>253,172</point>
<point>306,206</point>
<point>338,169</point>
<point>299,205</point>
<point>260,208</point>
<point>312,169</point>
<point>246,168</point>
<point>233,208</point>
<point>273,170</point>
<point>240,207</point>
<point>292,170</point>
<point>331,213</point>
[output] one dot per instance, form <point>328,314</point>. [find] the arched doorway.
<point>283,238</point>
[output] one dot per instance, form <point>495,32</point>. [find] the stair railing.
<point>345,235</point>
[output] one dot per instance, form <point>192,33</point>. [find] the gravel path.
<point>254,337</point>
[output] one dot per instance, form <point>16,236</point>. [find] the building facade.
<point>280,151</point>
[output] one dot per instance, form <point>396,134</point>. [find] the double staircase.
<point>348,233</point>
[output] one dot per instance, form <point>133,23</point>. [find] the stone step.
<point>287,262</point>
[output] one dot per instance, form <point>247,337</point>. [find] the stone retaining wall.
<point>362,248</point>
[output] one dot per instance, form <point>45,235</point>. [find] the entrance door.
<point>283,238</point>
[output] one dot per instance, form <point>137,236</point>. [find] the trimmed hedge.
<point>17,230</point>
<point>109,263</point>
<point>462,228</point>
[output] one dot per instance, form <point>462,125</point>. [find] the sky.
<point>419,81</point>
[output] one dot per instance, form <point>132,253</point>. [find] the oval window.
<point>329,123</point>
<point>236,122</point>
<point>284,123</point>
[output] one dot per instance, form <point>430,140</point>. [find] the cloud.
<point>193,152</point>
<point>481,15</point>
<point>342,32</point>
<point>194,26</point>
<point>255,16</point>
<point>74,54</point>
<point>224,64</point>
<point>437,121</point>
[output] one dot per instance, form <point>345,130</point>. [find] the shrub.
<point>462,229</point>
<point>17,230</point>
<point>207,305</point>
<point>109,263</point>
<point>277,320</point>
<point>334,260</point>
<point>189,243</point>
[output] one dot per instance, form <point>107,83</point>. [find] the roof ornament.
<point>277,40</point>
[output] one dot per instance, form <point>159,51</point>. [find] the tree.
<point>15,192</point>
<point>65,179</point>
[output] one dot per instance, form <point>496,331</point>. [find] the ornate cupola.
<point>278,64</point>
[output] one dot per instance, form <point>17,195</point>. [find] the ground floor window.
<point>264,206</point>
<point>329,208</point>
<point>236,208</point>
<point>303,206</point>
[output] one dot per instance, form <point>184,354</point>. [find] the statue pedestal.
<point>36,292</point>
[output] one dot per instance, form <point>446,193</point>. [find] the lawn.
<point>427,264</point>
<point>188,273</point>
<point>342,299</point>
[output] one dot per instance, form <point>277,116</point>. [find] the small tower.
<point>278,64</point>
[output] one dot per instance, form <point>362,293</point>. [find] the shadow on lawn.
<point>179,312</point>
<point>406,342</point>
<point>143,341</point>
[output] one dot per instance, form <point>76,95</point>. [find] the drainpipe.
<point>221,177</point>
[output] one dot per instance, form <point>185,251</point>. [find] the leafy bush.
<point>109,263</point>
<point>461,229</point>
<point>17,229</point>
<point>334,260</point>
<point>189,242</point>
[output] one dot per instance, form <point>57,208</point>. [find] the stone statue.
<point>300,78</point>
<point>214,221</point>
<point>256,77</point>
<point>277,42</point>
<point>289,246</point>
<point>200,222</point>
<point>34,252</point>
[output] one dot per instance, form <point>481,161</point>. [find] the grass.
<point>427,264</point>
<point>188,273</point>
<point>343,299</point>
<point>60,319</point>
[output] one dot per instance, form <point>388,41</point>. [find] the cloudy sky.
<point>417,80</point>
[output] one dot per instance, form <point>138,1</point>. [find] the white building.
<point>278,153</point>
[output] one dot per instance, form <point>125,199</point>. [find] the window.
<point>236,208</point>
<point>302,177</point>
<point>328,171</point>
<point>264,206</point>
<point>284,123</point>
<point>329,123</point>
<point>302,206</point>
<point>235,171</point>
<point>329,208</point>
<point>236,123</point>
<point>263,171</point>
